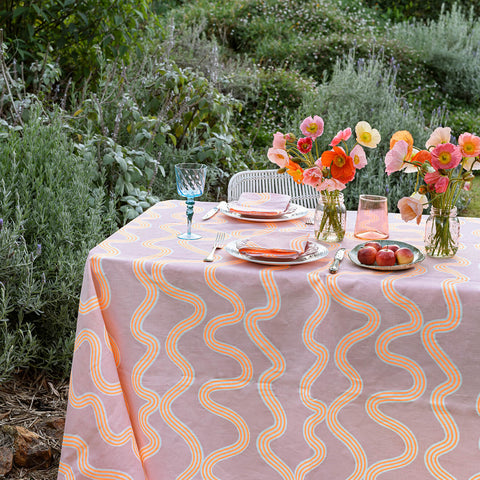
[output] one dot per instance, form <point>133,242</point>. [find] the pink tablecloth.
<point>234,370</point>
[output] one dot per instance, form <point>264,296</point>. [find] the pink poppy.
<point>410,208</point>
<point>439,181</point>
<point>395,157</point>
<point>278,156</point>
<point>439,135</point>
<point>469,145</point>
<point>312,176</point>
<point>279,141</point>
<point>312,127</point>
<point>331,184</point>
<point>358,156</point>
<point>446,156</point>
<point>305,144</point>
<point>342,135</point>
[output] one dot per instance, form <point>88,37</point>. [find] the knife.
<point>212,211</point>
<point>336,260</point>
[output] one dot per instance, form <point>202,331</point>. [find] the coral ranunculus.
<point>446,156</point>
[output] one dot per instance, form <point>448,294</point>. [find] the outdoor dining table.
<point>227,370</point>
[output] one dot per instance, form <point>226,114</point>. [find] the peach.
<point>404,255</point>
<point>366,255</point>
<point>385,257</point>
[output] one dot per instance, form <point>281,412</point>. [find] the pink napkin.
<point>260,204</point>
<point>277,246</point>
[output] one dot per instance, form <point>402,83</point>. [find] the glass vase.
<point>330,217</point>
<point>442,232</point>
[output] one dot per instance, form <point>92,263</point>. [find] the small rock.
<point>30,450</point>
<point>6,460</point>
<point>6,453</point>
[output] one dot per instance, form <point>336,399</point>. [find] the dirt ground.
<point>31,402</point>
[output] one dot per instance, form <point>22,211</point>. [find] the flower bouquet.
<point>443,170</point>
<point>328,171</point>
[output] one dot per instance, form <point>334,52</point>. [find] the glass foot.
<point>189,236</point>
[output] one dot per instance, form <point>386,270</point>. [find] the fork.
<point>218,243</point>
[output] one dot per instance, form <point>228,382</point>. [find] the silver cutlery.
<point>213,211</point>
<point>218,243</point>
<point>336,260</point>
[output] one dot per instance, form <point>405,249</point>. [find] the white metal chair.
<point>272,182</point>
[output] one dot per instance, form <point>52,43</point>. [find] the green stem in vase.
<point>331,224</point>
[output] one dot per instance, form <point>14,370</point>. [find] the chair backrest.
<point>272,182</point>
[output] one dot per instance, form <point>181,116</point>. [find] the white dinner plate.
<point>418,256</point>
<point>315,251</point>
<point>294,211</point>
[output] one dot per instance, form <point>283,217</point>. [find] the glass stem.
<point>190,203</point>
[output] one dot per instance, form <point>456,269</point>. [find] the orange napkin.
<point>276,246</point>
<point>260,204</point>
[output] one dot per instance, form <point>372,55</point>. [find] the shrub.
<point>450,48</point>
<point>401,10</point>
<point>53,217</point>
<point>67,32</point>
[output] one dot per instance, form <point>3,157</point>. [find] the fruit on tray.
<point>385,257</point>
<point>367,255</point>
<point>404,256</point>
<point>376,245</point>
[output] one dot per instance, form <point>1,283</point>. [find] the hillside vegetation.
<point>98,102</point>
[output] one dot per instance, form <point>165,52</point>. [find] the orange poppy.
<point>422,156</point>
<point>403,135</point>
<point>341,165</point>
<point>295,171</point>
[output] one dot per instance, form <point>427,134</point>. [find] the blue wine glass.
<point>190,179</point>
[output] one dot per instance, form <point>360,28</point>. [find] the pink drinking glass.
<point>372,218</point>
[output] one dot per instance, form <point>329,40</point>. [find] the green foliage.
<point>69,30</point>
<point>401,10</point>
<point>53,216</point>
<point>449,47</point>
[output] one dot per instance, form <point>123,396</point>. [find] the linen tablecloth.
<point>234,370</point>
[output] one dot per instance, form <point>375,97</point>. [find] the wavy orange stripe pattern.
<point>230,384</point>
<point>187,372</point>
<point>373,321</point>
<point>453,382</point>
